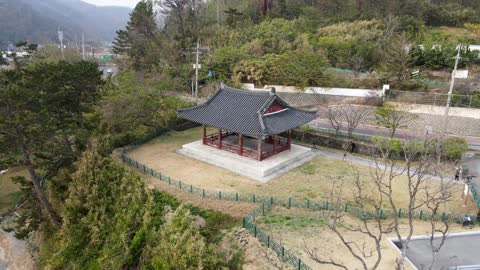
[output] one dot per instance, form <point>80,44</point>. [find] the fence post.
<point>308,203</point>
<point>220,195</point>
<point>381,213</point>
<point>244,222</point>
<point>271,200</point>
<point>326,205</point>
<point>255,231</point>
<point>400,212</point>
<point>421,214</point>
<point>289,202</point>
<point>283,251</point>
<point>203,193</point>
<point>236,197</point>
<point>191,188</point>
<point>169,182</point>
<point>253,198</point>
<point>263,209</point>
<point>160,175</point>
<point>268,241</point>
<point>180,184</point>
<point>443,216</point>
<point>299,264</point>
<point>346,207</point>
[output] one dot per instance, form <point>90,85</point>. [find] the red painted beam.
<point>289,141</point>
<point>259,150</point>
<point>220,138</point>
<point>204,134</point>
<point>240,144</point>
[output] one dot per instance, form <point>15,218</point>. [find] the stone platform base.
<point>262,171</point>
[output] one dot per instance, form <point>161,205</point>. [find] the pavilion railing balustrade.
<point>282,145</point>
<point>212,139</point>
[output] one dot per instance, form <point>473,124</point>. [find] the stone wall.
<point>318,139</point>
<point>457,125</point>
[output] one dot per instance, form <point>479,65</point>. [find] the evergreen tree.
<point>41,112</point>
<point>140,35</point>
<point>106,209</point>
<point>181,246</point>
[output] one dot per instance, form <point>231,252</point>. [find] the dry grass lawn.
<point>312,180</point>
<point>295,228</point>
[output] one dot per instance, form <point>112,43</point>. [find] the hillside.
<point>37,21</point>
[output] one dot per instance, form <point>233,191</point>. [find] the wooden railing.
<point>282,145</point>
<point>212,140</point>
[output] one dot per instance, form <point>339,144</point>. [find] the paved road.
<point>459,250</point>
<point>369,131</point>
<point>368,162</point>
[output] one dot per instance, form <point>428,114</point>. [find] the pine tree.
<point>106,209</point>
<point>181,246</point>
<point>139,36</point>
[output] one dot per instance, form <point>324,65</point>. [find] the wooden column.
<point>220,138</point>
<point>274,137</point>
<point>204,134</point>
<point>289,141</point>
<point>259,150</point>
<point>240,144</point>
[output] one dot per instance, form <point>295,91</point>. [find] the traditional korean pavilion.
<point>255,124</point>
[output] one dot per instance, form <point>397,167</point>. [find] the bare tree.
<point>418,166</point>
<point>436,197</point>
<point>333,114</point>
<point>393,117</point>
<point>353,115</point>
<point>372,228</point>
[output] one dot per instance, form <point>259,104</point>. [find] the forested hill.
<point>37,20</point>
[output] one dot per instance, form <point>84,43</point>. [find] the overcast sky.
<point>125,3</point>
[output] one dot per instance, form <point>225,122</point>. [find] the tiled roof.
<point>243,112</point>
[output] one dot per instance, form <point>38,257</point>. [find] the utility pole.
<point>83,47</point>
<point>196,73</point>
<point>450,92</point>
<point>60,37</point>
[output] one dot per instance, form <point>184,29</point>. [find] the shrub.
<point>453,148</point>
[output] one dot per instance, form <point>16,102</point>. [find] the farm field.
<point>10,192</point>
<point>312,180</point>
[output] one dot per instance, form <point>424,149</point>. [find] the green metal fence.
<point>268,201</point>
<point>267,239</point>
<point>287,202</point>
<point>473,189</point>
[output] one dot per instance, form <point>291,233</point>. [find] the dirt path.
<point>14,254</point>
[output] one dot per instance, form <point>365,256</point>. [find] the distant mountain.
<point>37,21</point>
